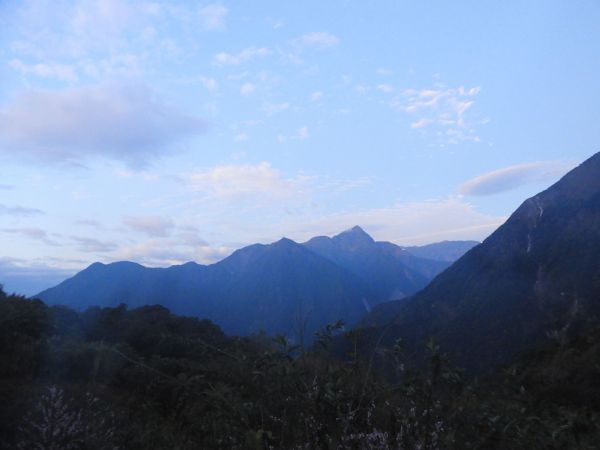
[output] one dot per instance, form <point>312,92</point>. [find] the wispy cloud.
<point>512,177</point>
<point>273,108</point>
<point>18,211</point>
<point>62,72</point>
<point>32,233</point>
<point>247,89</point>
<point>213,16</point>
<point>444,110</point>
<point>125,122</point>
<point>248,54</point>
<point>235,181</point>
<point>91,245</point>
<point>318,40</point>
<point>151,225</point>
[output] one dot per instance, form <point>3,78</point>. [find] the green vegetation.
<point>146,379</point>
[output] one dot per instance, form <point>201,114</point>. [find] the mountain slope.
<point>390,271</point>
<point>279,288</point>
<point>538,273</point>
<point>448,251</point>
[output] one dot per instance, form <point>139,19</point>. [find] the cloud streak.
<point>19,211</point>
<point>512,177</point>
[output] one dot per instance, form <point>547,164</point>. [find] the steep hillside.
<point>539,273</point>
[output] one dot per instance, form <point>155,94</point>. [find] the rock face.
<point>539,273</point>
<point>281,288</point>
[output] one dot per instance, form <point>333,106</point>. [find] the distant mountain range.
<point>282,288</point>
<point>537,275</point>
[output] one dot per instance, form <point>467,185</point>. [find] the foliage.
<point>116,378</point>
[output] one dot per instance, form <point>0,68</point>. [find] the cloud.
<point>444,110</point>
<point>421,123</point>
<point>209,83</point>
<point>318,40</point>
<point>301,134</point>
<point>213,17</point>
<point>161,253</point>
<point>271,109</point>
<point>248,54</point>
<point>235,181</point>
<point>385,88</point>
<point>240,137</point>
<point>18,211</point>
<point>32,233</point>
<point>384,72</point>
<point>316,96</point>
<point>150,225</point>
<point>62,72</point>
<point>124,122</point>
<point>247,89</point>
<point>91,245</point>
<point>405,223</point>
<point>29,277</point>
<point>512,177</point>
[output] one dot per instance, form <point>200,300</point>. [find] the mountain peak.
<point>354,237</point>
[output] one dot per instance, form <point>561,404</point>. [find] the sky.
<point>166,132</point>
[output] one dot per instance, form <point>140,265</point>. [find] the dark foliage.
<point>114,378</point>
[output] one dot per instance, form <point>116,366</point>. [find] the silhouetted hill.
<point>538,273</point>
<point>279,288</point>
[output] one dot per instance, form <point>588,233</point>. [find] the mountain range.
<point>282,288</point>
<point>538,275</point>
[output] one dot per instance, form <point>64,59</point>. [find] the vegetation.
<point>114,378</point>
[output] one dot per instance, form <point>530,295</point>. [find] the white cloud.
<point>410,223</point>
<point>209,84</point>
<point>302,133</point>
<point>316,96</point>
<point>213,16</point>
<point>62,72</point>
<point>384,72</point>
<point>234,181</point>
<point>150,225</point>
<point>240,137</point>
<point>128,123</point>
<point>442,109</point>
<point>271,109</point>
<point>508,178</point>
<point>248,54</point>
<point>318,39</point>
<point>386,88</point>
<point>247,89</point>
<point>421,123</point>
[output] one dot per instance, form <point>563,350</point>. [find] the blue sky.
<point>163,132</point>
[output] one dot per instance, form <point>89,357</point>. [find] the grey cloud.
<point>32,233</point>
<point>123,122</point>
<point>18,211</point>
<point>151,225</point>
<point>86,244</point>
<point>512,177</point>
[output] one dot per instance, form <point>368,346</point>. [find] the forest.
<point>119,378</point>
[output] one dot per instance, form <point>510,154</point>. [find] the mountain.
<point>282,288</point>
<point>448,251</point>
<point>390,271</point>
<point>538,274</point>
